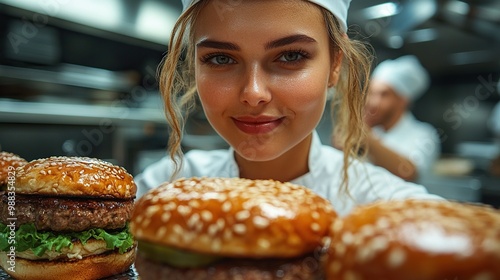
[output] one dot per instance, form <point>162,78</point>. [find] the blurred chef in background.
<point>494,124</point>
<point>397,141</point>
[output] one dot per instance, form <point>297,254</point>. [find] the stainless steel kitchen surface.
<point>79,78</point>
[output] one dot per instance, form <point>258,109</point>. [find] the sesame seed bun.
<point>74,176</point>
<point>233,217</point>
<point>413,239</point>
<point>8,163</point>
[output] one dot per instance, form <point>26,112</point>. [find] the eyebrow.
<point>299,38</point>
<point>207,43</point>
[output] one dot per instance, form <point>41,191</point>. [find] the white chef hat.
<point>405,75</point>
<point>337,7</point>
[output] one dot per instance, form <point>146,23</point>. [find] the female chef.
<point>261,70</point>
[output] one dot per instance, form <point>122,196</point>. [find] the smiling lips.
<point>257,125</point>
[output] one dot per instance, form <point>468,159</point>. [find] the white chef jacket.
<point>367,183</point>
<point>417,141</point>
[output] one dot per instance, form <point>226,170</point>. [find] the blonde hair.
<point>177,85</point>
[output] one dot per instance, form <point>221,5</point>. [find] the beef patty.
<point>67,213</point>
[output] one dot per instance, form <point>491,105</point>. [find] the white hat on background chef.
<point>405,75</point>
<point>337,7</point>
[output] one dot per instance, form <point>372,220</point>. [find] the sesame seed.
<point>337,225</point>
<point>263,243</point>
<point>194,203</point>
<point>396,257</point>
<point>226,206</point>
<point>242,215</point>
<point>193,220</point>
<point>315,227</point>
<point>239,228</point>
<point>184,210</point>
<point>187,237</point>
<point>206,215</point>
<point>315,215</point>
<point>260,222</point>
<point>364,254</point>
<point>378,243</point>
<point>165,217</point>
<point>146,222</point>
<point>212,229</point>
<point>162,231</point>
<point>151,210</point>
<point>216,245</point>
<point>348,238</point>
<point>178,229</point>
<point>220,223</point>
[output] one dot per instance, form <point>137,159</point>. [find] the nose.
<point>255,89</point>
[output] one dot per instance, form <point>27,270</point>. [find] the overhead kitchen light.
<point>422,35</point>
<point>382,10</point>
<point>395,42</point>
<point>155,21</point>
<point>458,7</point>
<point>471,57</point>
<point>100,14</point>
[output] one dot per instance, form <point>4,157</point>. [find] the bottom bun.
<point>88,268</point>
<point>303,268</point>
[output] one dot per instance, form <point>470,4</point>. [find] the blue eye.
<point>216,59</point>
<point>293,56</point>
<point>220,60</point>
<point>290,56</point>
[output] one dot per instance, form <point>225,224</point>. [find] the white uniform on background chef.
<point>398,141</point>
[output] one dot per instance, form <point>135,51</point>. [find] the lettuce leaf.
<point>27,237</point>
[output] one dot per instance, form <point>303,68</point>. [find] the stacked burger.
<point>218,228</point>
<point>70,220</point>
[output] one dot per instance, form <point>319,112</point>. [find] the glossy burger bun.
<point>413,239</point>
<point>8,163</point>
<point>74,176</point>
<point>233,217</point>
<point>88,268</point>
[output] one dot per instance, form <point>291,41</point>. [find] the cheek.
<point>212,93</point>
<point>305,92</point>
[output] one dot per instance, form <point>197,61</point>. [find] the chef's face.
<point>383,105</point>
<point>262,71</point>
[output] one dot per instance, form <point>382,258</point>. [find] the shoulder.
<point>205,160</point>
<point>194,163</point>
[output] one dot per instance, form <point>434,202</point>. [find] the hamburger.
<point>416,240</point>
<point>69,221</point>
<point>8,164</point>
<point>218,228</point>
